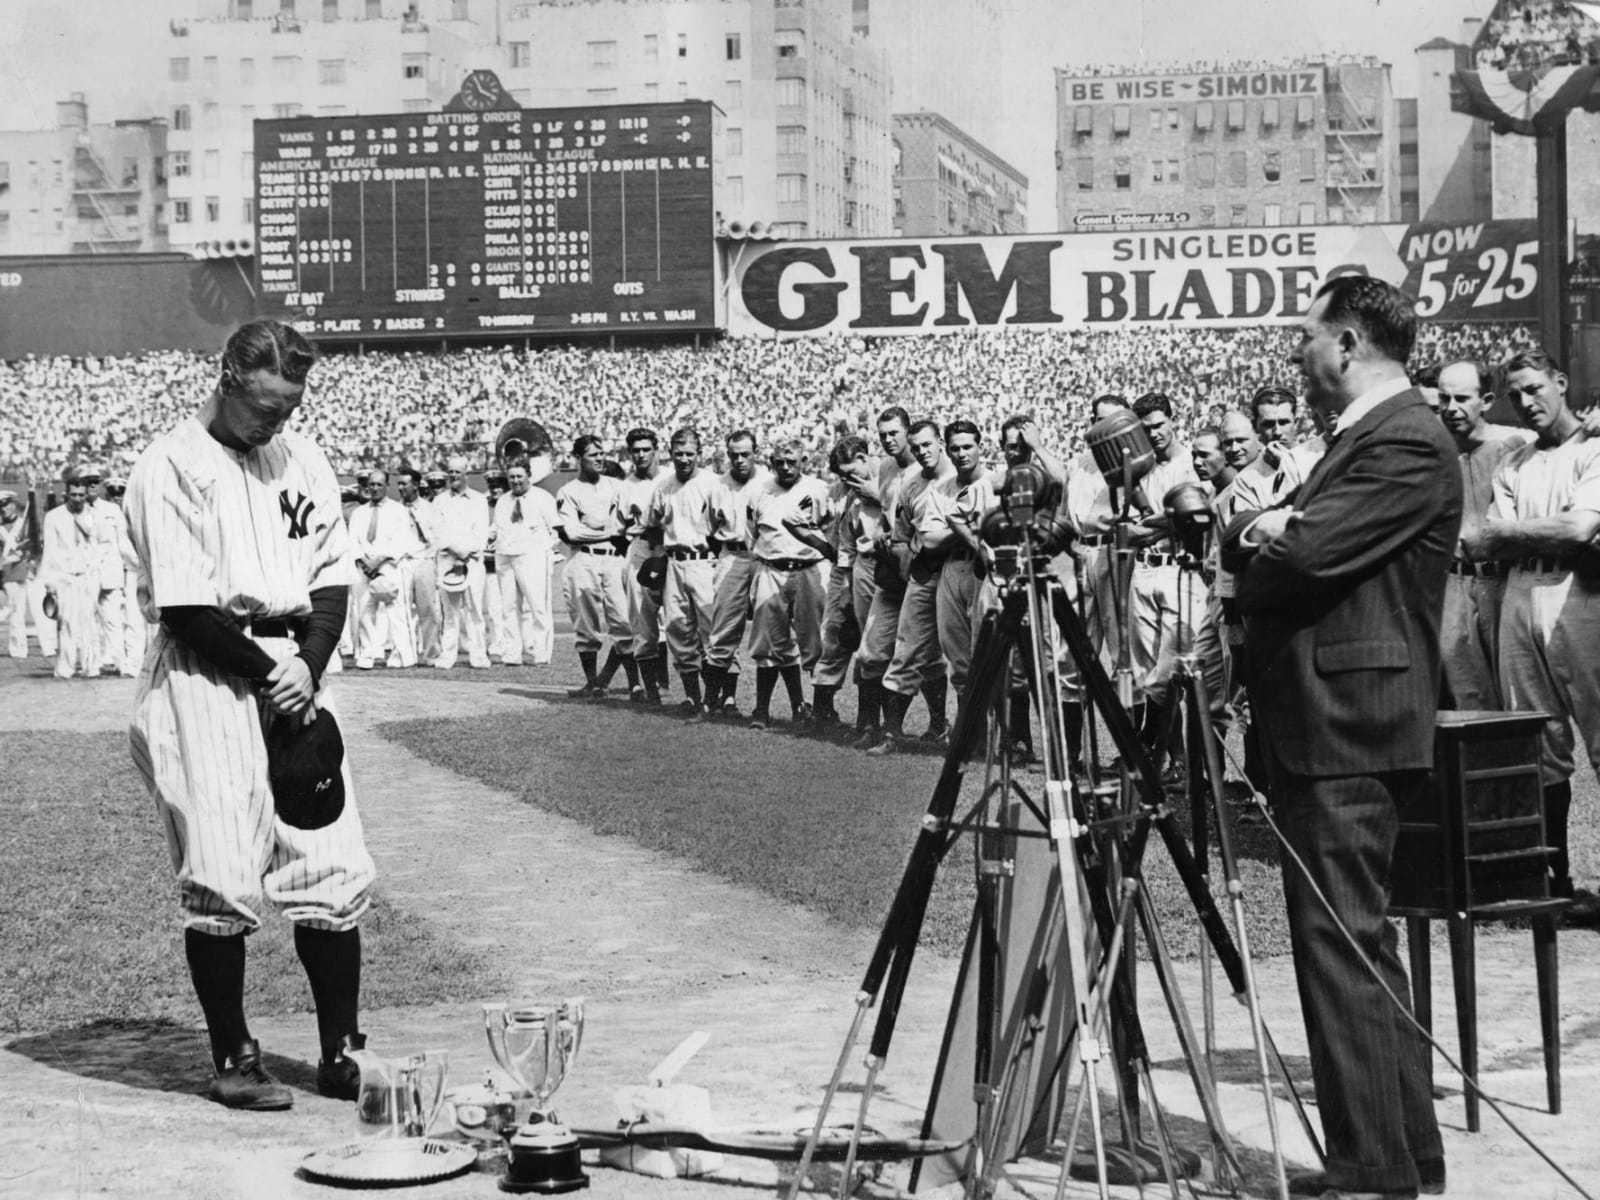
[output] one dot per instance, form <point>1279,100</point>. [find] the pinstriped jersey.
<point>251,532</point>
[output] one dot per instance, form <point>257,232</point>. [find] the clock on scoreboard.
<point>487,219</point>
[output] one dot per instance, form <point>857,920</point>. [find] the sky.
<point>50,48</point>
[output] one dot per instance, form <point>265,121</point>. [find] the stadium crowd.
<point>1539,33</point>
<point>384,408</point>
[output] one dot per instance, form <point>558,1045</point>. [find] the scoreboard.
<point>523,221</point>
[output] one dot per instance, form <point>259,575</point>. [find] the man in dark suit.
<point>1341,588</point>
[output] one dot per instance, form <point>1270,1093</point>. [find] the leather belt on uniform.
<point>1547,564</point>
<point>688,553</point>
<point>1479,570</point>
<point>1096,539</point>
<point>734,545</point>
<point>1153,558</point>
<point>790,564</point>
<point>275,627</point>
<point>604,550</point>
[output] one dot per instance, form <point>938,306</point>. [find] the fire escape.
<point>101,199</point>
<point>1354,150</point>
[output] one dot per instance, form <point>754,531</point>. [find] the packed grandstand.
<point>389,408</point>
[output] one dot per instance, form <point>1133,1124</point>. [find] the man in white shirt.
<point>525,523</point>
<point>380,531</point>
<point>461,529</point>
<point>419,580</point>
<point>70,569</point>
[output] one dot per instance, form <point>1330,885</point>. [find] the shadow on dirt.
<point>155,1055</point>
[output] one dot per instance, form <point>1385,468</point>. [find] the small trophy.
<point>535,1045</point>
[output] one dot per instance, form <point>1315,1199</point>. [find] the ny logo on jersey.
<point>298,510</point>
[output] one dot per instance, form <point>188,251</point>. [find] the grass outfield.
<point>92,929</point>
<point>805,820</point>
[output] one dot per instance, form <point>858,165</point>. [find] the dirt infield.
<point>659,951</point>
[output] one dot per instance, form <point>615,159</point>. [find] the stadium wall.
<point>79,305</point>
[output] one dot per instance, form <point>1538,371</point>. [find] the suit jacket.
<point>1342,612</point>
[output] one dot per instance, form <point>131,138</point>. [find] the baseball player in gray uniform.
<point>644,608</point>
<point>677,520</point>
<point>591,524</point>
<point>734,571</point>
<point>1546,513</point>
<point>245,562</point>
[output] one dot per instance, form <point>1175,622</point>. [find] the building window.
<point>791,92</point>
<point>602,54</point>
<point>683,89</point>
<point>241,10</point>
<point>791,139</point>
<point>286,7</point>
<point>1203,115</point>
<point>1208,215</point>
<point>414,66</point>
<point>247,166</point>
<point>1272,168</point>
<point>1205,170</point>
<point>208,69</point>
<point>285,110</point>
<point>330,10</point>
<point>210,116</point>
<point>247,116</point>
<point>734,95</point>
<point>1235,114</point>
<point>249,211</point>
<point>331,71</point>
<point>732,47</point>
<point>1305,110</point>
<point>459,10</point>
<point>1236,168</point>
<point>1172,118</point>
<point>735,192</point>
<point>285,69</point>
<point>1269,120</point>
<point>652,92</point>
<point>1121,118</point>
<point>1155,120</point>
<point>374,10</point>
<point>213,209</point>
<point>1085,172</point>
<point>211,164</point>
<point>791,189</point>
<point>1271,214</point>
<point>652,48</point>
<point>1124,174</point>
<point>180,212</point>
<point>1083,121</point>
<point>521,54</point>
<point>247,72</point>
<point>849,214</point>
<point>1157,170</point>
<point>735,143</point>
<point>416,106</point>
<point>180,117</point>
<point>178,70</point>
<point>1308,165</point>
<point>1308,212</point>
<point>602,94</point>
<point>1238,214</point>
<point>683,45</point>
<point>178,164</point>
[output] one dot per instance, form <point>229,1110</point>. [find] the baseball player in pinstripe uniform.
<point>591,524</point>
<point>731,612</point>
<point>644,607</point>
<point>850,585</point>
<point>245,562</point>
<point>883,613</point>
<point>678,520</point>
<point>1546,512</point>
<point>964,591</point>
<point>789,585</point>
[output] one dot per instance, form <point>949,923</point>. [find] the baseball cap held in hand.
<point>303,767</point>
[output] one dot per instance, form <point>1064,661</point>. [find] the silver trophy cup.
<point>536,1045</point>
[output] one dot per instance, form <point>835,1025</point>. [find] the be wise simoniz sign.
<point>1482,271</point>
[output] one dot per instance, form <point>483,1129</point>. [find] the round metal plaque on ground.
<point>389,1162</point>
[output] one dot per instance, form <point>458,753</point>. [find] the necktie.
<point>415,524</point>
<point>516,512</point>
<point>372,525</point>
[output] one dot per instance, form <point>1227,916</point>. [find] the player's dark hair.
<point>741,435</point>
<point>1112,399</point>
<point>1427,375</point>
<point>1485,376</point>
<point>270,346</point>
<point>919,426</point>
<point>895,413</point>
<point>1385,314</point>
<point>848,447</point>
<point>1271,394</point>
<point>1535,359</point>
<point>684,436</point>
<point>962,425</point>
<point>1010,423</point>
<point>581,444</point>
<point>1153,402</point>
<point>411,473</point>
<point>641,434</point>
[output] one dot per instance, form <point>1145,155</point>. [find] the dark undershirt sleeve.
<point>329,607</point>
<point>218,640</point>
